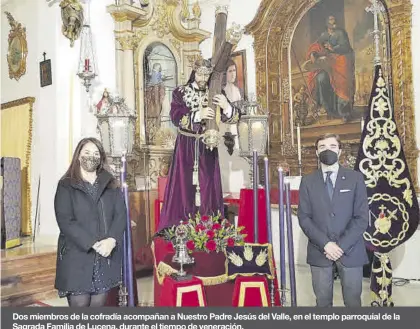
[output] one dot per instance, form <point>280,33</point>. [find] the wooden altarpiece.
<point>273,28</point>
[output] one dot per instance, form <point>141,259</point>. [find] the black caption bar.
<point>203,318</point>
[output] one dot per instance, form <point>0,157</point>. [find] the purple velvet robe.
<point>179,199</point>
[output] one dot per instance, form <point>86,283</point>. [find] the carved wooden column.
<point>128,43</point>
<point>119,62</point>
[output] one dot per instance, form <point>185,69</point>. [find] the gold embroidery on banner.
<point>235,259</point>
<point>382,147</point>
<point>261,258</point>
<point>381,223</point>
<point>248,253</point>
<point>384,279</point>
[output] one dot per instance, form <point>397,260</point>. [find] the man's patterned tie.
<point>329,184</point>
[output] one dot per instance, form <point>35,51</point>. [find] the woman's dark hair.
<point>229,64</point>
<point>73,172</point>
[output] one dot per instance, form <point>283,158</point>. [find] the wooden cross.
<point>222,49</point>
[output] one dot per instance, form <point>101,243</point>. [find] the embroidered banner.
<point>394,210</point>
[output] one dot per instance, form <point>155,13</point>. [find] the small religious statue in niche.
<point>73,17</point>
<point>160,79</point>
<point>18,49</point>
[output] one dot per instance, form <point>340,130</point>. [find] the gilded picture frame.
<point>273,28</point>
<point>239,57</point>
<point>17,49</point>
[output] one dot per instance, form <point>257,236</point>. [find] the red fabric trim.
<point>172,289</point>
<point>252,296</point>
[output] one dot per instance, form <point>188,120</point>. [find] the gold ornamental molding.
<point>164,18</point>
<point>273,28</point>
<point>162,21</point>
<point>178,30</point>
<point>17,49</point>
<point>125,12</point>
<point>18,102</point>
<point>129,40</point>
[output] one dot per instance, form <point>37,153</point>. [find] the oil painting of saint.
<point>332,65</point>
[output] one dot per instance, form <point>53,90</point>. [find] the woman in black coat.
<point>91,214</point>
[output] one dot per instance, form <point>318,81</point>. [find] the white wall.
<point>52,130</point>
<point>40,37</point>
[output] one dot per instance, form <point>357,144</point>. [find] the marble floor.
<point>407,294</point>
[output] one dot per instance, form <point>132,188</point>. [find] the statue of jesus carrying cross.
<point>194,181</point>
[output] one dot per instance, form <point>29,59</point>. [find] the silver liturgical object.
<point>181,253</point>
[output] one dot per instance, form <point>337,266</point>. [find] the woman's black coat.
<point>83,221</point>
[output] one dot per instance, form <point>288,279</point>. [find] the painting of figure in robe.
<point>332,64</point>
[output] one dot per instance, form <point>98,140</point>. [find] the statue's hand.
<point>221,101</point>
<point>206,113</point>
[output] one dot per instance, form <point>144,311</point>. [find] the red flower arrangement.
<point>208,233</point>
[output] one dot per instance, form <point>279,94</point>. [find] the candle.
<point>87,64</point>
<point>267,200</point>
<point>128,257</point>
<point>362,124</point>
<point>125,274</point>
<point>130,271</point>
<point>299,146</point>
<point>282,237</point>
<point>292,276</point>
<point>255,189</point>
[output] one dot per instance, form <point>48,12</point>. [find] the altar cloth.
<point>210,268</point>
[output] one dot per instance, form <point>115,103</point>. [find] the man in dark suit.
<point>333,213</point>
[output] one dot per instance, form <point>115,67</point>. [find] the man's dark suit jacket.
<point>342,220</point>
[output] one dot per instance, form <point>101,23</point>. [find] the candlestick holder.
<point>123,296</point>
<point>249,160</point>
<point>283,295</point>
